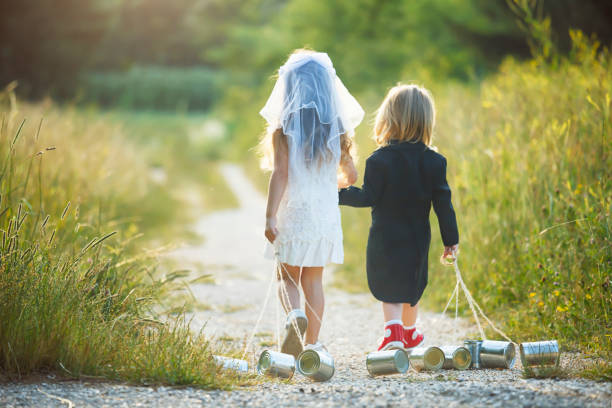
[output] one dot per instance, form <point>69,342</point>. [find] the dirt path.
<point>232,251</point>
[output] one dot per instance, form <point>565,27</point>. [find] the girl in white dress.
<point>311,120</point>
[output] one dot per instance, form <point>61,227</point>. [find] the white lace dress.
<point>313,108</point>
<point>310,232</point>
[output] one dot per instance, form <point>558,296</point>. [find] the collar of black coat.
<point>406,143</point>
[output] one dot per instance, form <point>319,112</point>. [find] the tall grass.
<point>529,165</point>
<point>77,289</point>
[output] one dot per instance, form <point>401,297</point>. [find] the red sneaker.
<point>394,338</point>
<point>413,338</point>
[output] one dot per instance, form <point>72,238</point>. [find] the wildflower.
<point>532,294</point>
<point>588,296</point>
<point>540,303</point>
<point>556,293</point>
<point>561,309</point>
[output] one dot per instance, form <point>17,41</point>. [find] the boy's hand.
<point>450,251</point>
<point>271,230</point>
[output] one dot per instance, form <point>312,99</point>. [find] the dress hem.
<point>317,253</point>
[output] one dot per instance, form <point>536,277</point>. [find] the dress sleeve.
<point>369,194</point>
<point>441,198</point>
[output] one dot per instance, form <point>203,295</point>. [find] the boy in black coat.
<point>403,178</point>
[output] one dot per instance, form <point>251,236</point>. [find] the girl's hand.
<point>450,251</point>
<point>271,230</point>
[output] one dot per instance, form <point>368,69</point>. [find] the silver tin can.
<point>234,364</point>
<point>387,362</point>
<point>474,347</point>
<point>275,364</point>
<point>540,353</point>
<point>427,358</point>
<point>318,365</point>
<point>457,357</point>
<point>497,354</point>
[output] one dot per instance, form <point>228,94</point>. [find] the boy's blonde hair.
<point>406,114</point>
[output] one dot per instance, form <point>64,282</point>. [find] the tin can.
<point>427,358</point>
<point>474,347</point>
<point>540,353</point>
<point>497,354</point>
<point>457,357</point>
<point>275,364</point>
<point>318,365</point>
<point>234,364</point>
<point>387,362</point>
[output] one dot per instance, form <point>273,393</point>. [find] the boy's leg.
<point>412,335</point>
<point>288,292</point>
<point>392,311</point>
<point>312,284</point>
<point>393,329</point>
<point>410,314</point>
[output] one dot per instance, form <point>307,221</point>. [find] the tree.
<point>45,43</point>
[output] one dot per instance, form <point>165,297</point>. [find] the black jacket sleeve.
<point>370,192</point>
<point>441,198</point>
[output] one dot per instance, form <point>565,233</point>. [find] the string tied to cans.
<point>280,272</point>
<point>319,365</point>
<point>474,306</point>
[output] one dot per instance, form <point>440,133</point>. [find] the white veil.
<point>313,107</point>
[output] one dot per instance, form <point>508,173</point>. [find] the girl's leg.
<point>392,311</point>
<point>288,291</point>
<point>312,284</point>
<point>409,314</point>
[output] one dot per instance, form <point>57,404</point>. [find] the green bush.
<point>154,88</point>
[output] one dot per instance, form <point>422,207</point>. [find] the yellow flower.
<point>532,294</point>
<point>540,303</point>
<point>561,309</point>
<point>556,293</point>
<point>588,296</point>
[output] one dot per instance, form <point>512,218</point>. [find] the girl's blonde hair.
<point>407,114</point>
<point>276,139</point>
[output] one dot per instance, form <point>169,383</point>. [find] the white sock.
<point>390,322</point>
<point>410,327</point>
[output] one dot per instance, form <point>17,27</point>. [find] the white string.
<point>263,309</point>
<point>454,295</point>
<point>474,306</point>
<point>451,298</point>
<point>284,295</point>
<point>305,300</point>
<point>456,325</point>
<point>277,325</point>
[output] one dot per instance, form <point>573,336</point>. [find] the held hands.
<point>271,230</point>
